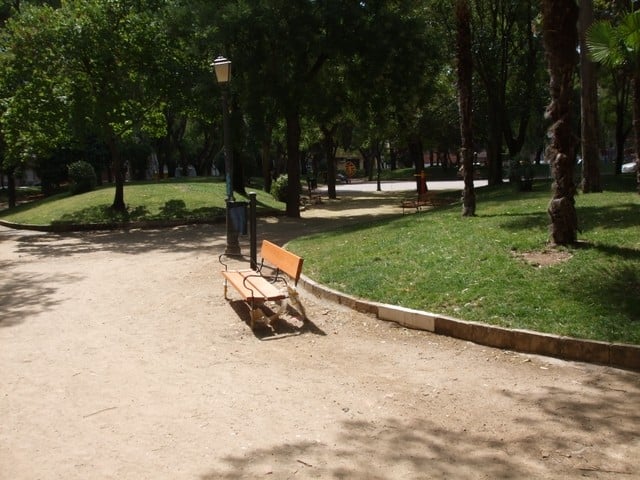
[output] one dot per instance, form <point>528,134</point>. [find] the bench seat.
<point>423,200</point>
<point>253,287</point>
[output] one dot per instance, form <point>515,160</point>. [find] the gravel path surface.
<point>120,359</point>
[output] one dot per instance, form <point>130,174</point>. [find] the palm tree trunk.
<point>559,19</point>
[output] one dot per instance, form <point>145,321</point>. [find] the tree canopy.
<point>309,77</point>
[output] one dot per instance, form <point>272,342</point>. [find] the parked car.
<point>630,167</point>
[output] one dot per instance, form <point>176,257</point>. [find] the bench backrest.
<point>285,261</point>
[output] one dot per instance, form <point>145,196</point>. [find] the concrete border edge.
<point>616,355</point>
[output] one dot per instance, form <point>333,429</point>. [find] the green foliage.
<point>88,68</point>
<point>615,46</point>
<point>280,187</point>
<point>82,177</point>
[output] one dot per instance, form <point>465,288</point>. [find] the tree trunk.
<point>11,185</point>
<point>589,107</point>
<point>417,159</point>
<point>465,105</point>
<point>494,143</point>
<point>292,119</point>
<point>368,162</point>
<point>265,153</point>
<point>119,171</point>
<point>559,18</point>
<point>636,122</point>
<point>621,85</point>
<point>330,152</point>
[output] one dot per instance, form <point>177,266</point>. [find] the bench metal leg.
<point>256,315</point>
<point>294,298</point>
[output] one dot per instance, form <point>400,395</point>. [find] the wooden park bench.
<point>256,287</point>
<point>423,200</point>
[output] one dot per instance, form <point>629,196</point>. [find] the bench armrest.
<point>226,267</point>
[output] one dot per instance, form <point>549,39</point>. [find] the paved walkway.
<point>119,358</point>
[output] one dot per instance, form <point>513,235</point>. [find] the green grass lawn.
<point>198,199</point>
<point>474,268</point>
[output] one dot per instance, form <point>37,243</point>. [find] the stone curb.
<point>525,341</point>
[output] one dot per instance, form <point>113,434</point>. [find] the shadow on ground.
<point>360,210</point>
<point>291,323</point>
<point>425,448</point>
<point>25,294</point>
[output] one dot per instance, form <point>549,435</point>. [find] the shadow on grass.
<point>613,290</point>
<point>172,210</point>
<point>589,218</point>
<point>624,215</point>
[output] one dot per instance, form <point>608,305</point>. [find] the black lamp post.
<point>222,68</point>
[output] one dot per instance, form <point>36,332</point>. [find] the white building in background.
<point>29,178</point>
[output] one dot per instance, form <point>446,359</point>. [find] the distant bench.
<point>261,285</point>
<point>424,199</point>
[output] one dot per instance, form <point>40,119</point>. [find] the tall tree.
<point>96,67</point>
<point>619,46</point>
<point>559,26</point>
<point>33,111</point>
<point>588,106</point>
<point>506,60</point>
<point>280,46</point>
<point>465,97</point>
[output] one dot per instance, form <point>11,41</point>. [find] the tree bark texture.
<point>465,105</point>
<point>293,163</point>
<point>636,122</point>
<point>330,151</point>
<point>494,142</point>
<point>560,35</point>
<point>265,153</point>
<point>11,185</point>
<point>417,158</point>
<point>588,107</point>
<point>119,172</point>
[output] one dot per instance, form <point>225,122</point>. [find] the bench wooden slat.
<point>262,289</point>
<point>287,262</point>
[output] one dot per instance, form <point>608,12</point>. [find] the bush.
<point>279,188</point>
<point>82,177</point>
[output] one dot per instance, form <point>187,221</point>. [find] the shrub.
<point>82,177</point>
<point>279,188</point>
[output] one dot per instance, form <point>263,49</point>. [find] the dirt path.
<point>120,359</point>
